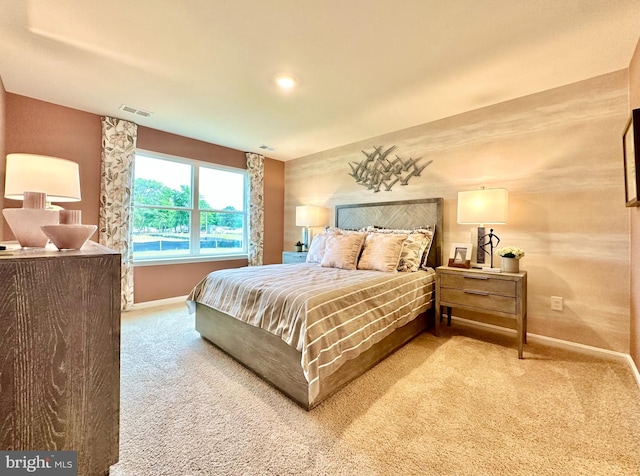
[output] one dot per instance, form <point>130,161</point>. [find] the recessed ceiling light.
<point>285,81</point>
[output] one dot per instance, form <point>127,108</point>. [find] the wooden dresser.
<point>60,353</point>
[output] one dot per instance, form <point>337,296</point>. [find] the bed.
<point>289,342</point>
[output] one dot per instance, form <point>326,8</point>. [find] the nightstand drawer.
<point>482,300</point>
<point>482,283</point>
<point>289,257</point>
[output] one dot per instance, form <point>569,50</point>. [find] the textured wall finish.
<point>634,102</point>
<point>3,108</point>
<point>38,127</point>
<point>559,155</point>
<point>43,128</point>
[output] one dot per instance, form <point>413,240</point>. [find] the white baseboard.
<point>160,302</point>
<point>558,343</point>
<point>634,369</point>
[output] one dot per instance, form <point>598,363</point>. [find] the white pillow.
<point>317,247</point>
<point>381,252</point>
<point>342,251</point>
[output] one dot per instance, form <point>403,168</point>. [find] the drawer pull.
<point>478,293</point>
<point>483,278</point>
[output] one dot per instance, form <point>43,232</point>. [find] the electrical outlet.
<point>556,303</point>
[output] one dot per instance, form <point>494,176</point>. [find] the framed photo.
<point>460,255</point>
<point>631,148</point>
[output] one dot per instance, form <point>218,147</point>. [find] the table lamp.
<point>484,207</point>
<point>38,180</point>
<point>306,217</point>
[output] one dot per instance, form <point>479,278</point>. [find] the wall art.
<point>378,172</point>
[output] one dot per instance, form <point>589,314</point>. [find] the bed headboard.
<point>403,214</point>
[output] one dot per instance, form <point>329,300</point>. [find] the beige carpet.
<point>452,405</point>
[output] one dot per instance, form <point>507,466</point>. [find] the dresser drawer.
<point>481,300</point>
<point>482,283</point>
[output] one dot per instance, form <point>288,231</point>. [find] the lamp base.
<point>25,224</point>
<point>488,269</point>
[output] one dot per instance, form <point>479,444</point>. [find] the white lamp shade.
<point>309,215</point>
<point>58,178</point>
<point>483,206</point>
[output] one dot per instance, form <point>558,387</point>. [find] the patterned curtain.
<point>255,167</point>
<point>118,151</point>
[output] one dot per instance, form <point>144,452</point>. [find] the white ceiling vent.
<point>266,147</point>
<point>136,111</point>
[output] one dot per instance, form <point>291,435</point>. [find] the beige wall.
<point>634,102</point>
<point>38,127</point>
<point>559,155</point>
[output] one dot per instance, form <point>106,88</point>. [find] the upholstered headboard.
<point>403,214</point>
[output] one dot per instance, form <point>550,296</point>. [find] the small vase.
<point>510,265</point>
<point>298,249</point>
<point>70,233</point>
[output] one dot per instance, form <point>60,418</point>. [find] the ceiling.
<point>206,68</point>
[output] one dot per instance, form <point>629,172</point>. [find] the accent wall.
<point>3,108</point>
<point>558,153</point>
<point>634,213</point>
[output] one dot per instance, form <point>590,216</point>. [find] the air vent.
<point>266,147</point>
<point>136,111</point>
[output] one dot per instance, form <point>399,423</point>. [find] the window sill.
<point>187,260</point>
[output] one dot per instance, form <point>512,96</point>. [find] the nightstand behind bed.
<point>294,257</point>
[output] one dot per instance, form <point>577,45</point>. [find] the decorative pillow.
<point>427,250</point>
<point>341,231</point>
<point>317,247</point>
<point>342,251</point>
<point>381,252</point>
<point>412,250</point>
<point>415,249</point>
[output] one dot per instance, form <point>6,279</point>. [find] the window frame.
<point>194,255</point>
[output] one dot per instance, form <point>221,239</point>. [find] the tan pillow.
<point>381,252</point>
<point>415,249</point>
<point>342,251</point>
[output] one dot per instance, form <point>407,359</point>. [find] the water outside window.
<point>162,208</point>
<point>222,230</point>
<point>165,209</point>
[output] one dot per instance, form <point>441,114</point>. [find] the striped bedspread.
<point>330,315</point>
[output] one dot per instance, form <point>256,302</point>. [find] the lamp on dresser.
<point>484,207</point>
<point>306,217</point>
<point>38,180</point>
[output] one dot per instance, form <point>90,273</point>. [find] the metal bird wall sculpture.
<point>377,172</point>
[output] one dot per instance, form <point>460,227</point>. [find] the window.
<point>170,223</point>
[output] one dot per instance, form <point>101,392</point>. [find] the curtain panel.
<point>255,168</point>
<point>118,152</point>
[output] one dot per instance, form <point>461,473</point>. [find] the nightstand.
<point>499,294</point>
<point>289,257</point>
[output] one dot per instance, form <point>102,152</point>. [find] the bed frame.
<point>278,363</point>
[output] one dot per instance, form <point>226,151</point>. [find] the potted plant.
<point>510,256</point>
<point>298,247</point>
